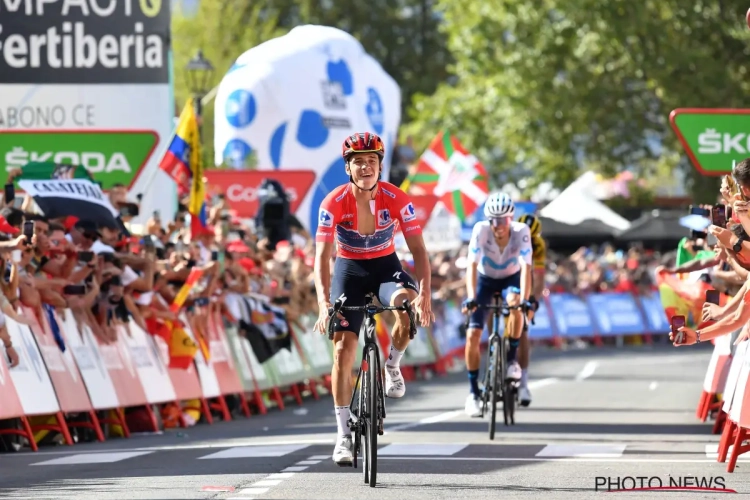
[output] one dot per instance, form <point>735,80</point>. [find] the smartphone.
<point>148,243</point>
<point>10,193</point>
<point>699,211</point>
<point>156,215</point>
<point>214,255</point>
<point>676,323</point>
<point>129,210</point>
<point>711,240</point>
<point>28,231</point>
<point>85,256</point>
<point>74,290</point>
<point>712,297</point>
<point>719,215</point>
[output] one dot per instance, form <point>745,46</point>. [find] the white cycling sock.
<point>342,417</point>
<point>524,377</point>
<point>394,358</point>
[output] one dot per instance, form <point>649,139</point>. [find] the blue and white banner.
<point>294,99</point>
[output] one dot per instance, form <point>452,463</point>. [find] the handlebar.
<point>503,308</point>
<point>370,310</point>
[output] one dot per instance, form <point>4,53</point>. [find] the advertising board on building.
<point>85,82</point>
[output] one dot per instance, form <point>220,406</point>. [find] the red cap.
<point>69,222</point>
<point>247,263</point>
<point>6,228</point>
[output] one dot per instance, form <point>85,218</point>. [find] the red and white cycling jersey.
<point>338,213</point>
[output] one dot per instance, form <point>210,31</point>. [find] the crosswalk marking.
<point>93,458</point>
<point>256,451</point>
<point>422,449</point>
<point>583,450</point>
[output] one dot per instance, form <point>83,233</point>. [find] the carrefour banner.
<point>290,102</point>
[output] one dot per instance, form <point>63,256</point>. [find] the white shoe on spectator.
<point>342,452</point>
<point>473,406</point>
<point>514,371</point>
<point>394,382</point>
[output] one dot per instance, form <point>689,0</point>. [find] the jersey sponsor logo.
<point>397,275</point>
<point>347,216</point>
<point>325,218</point>
<point>413,228</point>
<point>408,213</point>
<point>525,252</point>
<point>486,262</point>
<point>384,217</point>
<point>388,193</point>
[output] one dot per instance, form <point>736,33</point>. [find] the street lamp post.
<point>198,72</point>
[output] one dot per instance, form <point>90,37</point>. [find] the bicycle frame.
<point>371,343</point>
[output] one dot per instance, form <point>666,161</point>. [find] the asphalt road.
<point>599,412</point>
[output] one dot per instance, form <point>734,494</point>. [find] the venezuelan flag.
<point>183,157</point>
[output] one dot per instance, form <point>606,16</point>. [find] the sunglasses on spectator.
<point>500,221</point>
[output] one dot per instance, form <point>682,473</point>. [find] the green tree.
<point>543,90</point>
<point>223,29</point>
<point>400,34</point>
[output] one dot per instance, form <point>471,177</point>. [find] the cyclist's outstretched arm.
<point>525,259</point>
<point>421,262</point>
<point>471,281</point>
<point>323,251</point>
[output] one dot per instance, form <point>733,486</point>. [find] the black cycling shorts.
<point>381,276</point>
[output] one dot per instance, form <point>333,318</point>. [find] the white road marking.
<point>442,417</point>
<point>581,460</point>
<point>231,443</point>
<point>92,458</point>
<point>588,370</point>
<point>294,469</point>
<point>255,451</point>
<point>421,449</point>
<point>582,450</point>
<point>308,462</point>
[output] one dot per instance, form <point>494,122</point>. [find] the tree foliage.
<point>543,89</point>
<point>401,34</point>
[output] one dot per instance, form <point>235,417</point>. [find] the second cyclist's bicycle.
<point>496,385</point>
<point>367,415</point>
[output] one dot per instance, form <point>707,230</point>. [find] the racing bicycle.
<point>367,416</point>
<point>497,366</point>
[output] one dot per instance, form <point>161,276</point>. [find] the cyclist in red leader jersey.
<point>364,216</point>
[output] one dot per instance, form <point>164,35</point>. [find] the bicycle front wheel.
<point>373,399</point>
<point>494,370</point>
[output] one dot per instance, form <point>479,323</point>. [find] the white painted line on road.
<point>252,491</point>
<point>294,469</point>
<point>267,482</point>
<point>421,449</point>
<point>92,458</point>
<point>319,457</point>
<point>588,370</point>
<point>712,451</point>
<point>256,451</point>
<point>580,460</point>
<point>442,417</point>
<point>231,443</point>
<point>429,420</point>
<point>280,475</point>
<point>582,450</point>
<point>653,385</point>
<point>535,384</point>
<point>308,462</point>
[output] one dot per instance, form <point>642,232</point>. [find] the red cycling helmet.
<point>363,142</point>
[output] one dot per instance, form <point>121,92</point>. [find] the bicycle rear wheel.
<point>373,414</point>
<point>494,369</point>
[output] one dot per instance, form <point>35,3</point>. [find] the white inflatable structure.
<point>293,100</point>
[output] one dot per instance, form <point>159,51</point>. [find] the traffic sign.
<point>714,139</point>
